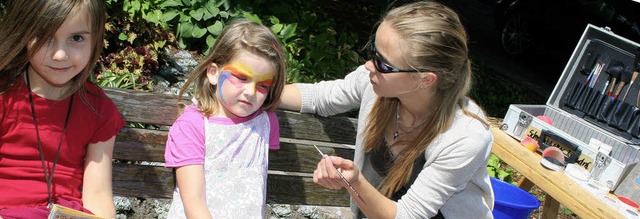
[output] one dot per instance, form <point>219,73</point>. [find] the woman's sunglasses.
<point>383,67</point>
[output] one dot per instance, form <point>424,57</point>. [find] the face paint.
<point>239,76</point>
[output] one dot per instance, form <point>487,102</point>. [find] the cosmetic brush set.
<point>602,97</point>
<point>596,99</point>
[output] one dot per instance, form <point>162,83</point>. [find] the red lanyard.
<point>48,176</point>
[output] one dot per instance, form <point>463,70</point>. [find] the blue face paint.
<point>224,75</point>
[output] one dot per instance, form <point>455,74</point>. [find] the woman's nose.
<point>369,65</point>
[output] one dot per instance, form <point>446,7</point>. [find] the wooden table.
<point>559,188</point>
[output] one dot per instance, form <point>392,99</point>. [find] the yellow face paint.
<point>240,75</point>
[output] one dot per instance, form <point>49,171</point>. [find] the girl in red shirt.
<point>57,130</point>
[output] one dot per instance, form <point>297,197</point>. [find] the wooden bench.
<point>138,169</point>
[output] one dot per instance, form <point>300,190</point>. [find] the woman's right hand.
<point>327,176</point>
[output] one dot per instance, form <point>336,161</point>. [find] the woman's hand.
<point>326,173</point>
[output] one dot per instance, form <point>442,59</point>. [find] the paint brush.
<point>614,71</point>
<point>342,177</point>
<point>625,77</point>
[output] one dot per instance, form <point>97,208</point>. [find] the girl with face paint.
<point>219,146</point>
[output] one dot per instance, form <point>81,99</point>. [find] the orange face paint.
<point>241,75</point>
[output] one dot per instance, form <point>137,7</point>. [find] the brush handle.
<point>633,78</point>
<point>618,90</point>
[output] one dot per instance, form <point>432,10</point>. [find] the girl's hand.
<point>327,176</point>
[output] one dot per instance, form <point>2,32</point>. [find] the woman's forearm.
<point>291,98</point>
<point>377,205</point>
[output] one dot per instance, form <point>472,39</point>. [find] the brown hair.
<point>239,35</point>
<point>437,41</point>
<point>27,21</point>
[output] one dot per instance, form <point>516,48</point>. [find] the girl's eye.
<point>240,77</point>
<point>77,38</point>
<point>263,88</point>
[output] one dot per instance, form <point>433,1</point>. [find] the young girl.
<point>219,146</point>
<point>57,130</point>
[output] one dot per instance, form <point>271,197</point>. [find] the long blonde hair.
<point>31,21</point>
<point>438,42</point>
<point>240,35</point>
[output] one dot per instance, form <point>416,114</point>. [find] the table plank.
<point>555,184</point>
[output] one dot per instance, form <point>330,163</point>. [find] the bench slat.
<point>290,157</point>
<point>144,107</point>
<point>158,182</point>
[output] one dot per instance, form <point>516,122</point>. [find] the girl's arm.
<point>97,194</point>
<point>190,181</point>
<point>377,205</point>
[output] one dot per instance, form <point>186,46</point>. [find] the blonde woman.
<point>422,146</point>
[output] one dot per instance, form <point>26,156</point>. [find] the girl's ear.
<point>429,79</point>
<point>212,73</point>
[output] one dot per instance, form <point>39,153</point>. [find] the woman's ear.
<point>428,79</point>
<point>212,73</point>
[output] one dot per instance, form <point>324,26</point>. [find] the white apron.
<point>235,169</point>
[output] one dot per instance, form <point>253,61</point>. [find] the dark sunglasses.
<point>381,66</point>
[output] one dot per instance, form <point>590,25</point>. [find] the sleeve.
<point>464,153</point>
<point>185,142</point>
<point>109,119</point>
<point>274,133</point>
<point>328,98</point>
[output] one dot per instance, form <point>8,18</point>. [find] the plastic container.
<point>512,202</point>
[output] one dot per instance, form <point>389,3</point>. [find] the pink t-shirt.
<point>185,143</point>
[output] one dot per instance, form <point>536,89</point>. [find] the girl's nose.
<point>60,54</point>
<point>250,88</point>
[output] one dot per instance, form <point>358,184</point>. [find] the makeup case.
<point>594,108</point>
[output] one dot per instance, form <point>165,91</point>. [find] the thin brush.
<point>633,78</point>
<point>342,177</point>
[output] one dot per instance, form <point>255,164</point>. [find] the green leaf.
<point>215,28</point>
<point>154,17</point>
<point>185,29</point>
<point>198,32</point>
<point>210,40</point>
<point>122,36</point>
<point>170,3</point>
<point>289,31</point>
<point>169,15</point>
<point>276,28</point>
<point>224,14</point>
<point>212,9</point>
<point>197,14</point>
<point>274,20</point>
<point>252,17</point>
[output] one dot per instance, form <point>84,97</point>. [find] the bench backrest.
<point>139,171</point>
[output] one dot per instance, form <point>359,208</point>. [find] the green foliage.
<point>496,169</point>
<point>316,50</point>
<point>129,68</point>
<point>130,57</point>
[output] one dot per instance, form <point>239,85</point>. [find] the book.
<point>62,212</point>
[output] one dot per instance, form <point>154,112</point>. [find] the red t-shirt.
<point>22,181</point>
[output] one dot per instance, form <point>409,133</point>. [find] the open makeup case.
<point>594,108</point>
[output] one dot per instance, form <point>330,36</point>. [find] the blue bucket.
<point>512,202</point>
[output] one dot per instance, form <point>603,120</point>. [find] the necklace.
<point>48,175</point>
<point>400,131</point>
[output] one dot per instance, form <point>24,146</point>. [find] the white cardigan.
<point>454,178</point>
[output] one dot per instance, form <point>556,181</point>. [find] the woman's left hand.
<point>326,173</point>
